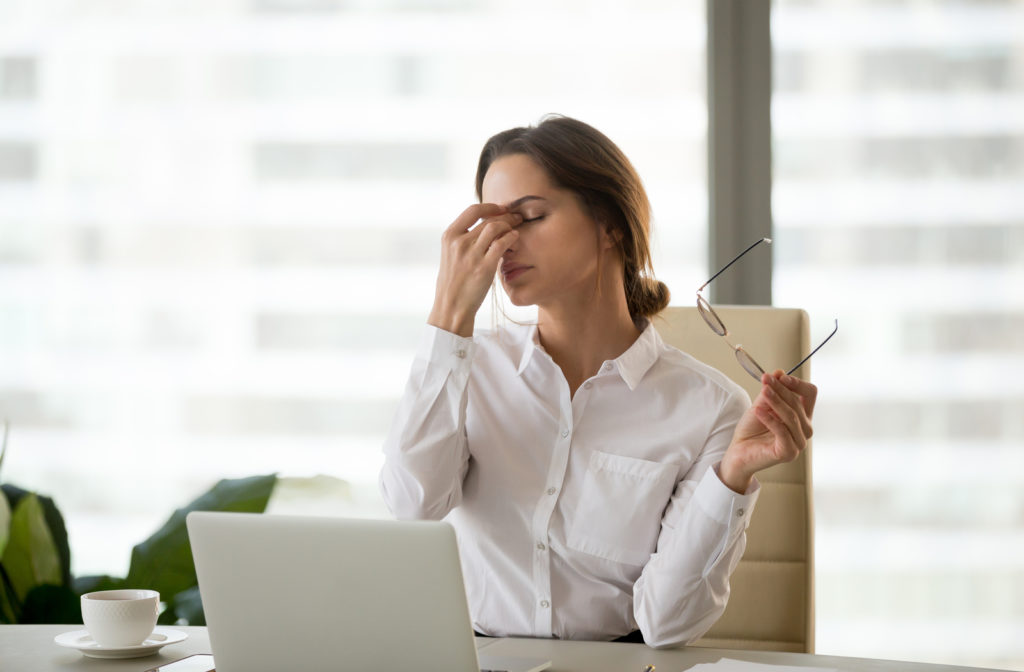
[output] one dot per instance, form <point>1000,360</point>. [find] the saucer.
<point>83,641</point>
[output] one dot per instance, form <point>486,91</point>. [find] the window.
<point>221,221</point>
<point>898,158</point>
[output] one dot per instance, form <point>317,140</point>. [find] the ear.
<point>610,237</point>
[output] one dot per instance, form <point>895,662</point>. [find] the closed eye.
<point>533,219</point>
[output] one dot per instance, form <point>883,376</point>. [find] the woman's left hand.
<point>774,429</point>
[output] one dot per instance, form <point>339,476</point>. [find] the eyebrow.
<point>519,201</point>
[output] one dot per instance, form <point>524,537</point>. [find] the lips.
<point>511,271</point>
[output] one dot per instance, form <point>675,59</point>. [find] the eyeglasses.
<point>748,363</point>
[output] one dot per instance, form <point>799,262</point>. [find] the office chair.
<point>771,605</point>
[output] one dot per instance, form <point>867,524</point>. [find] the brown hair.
<point>579,158</point>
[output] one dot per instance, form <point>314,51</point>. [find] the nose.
<point>511,251</point>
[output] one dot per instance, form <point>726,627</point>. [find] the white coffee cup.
<point>120,617</point>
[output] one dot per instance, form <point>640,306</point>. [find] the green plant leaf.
<point>51,604</point>
<point>13,493</point>
<point>31,557</point>
<point>188,606</point>
<point>59,533</point>
<point>7,614</point>
<point>87,584</point>
<point>10,609</point>
<point>3,442</point>
<point>54,521</point>
<point>164,561</point>
<point>168,616</point>
<point>5,522</point>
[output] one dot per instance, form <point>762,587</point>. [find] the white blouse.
<point>578,518</point>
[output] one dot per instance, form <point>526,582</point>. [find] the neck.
<point>581,335</point>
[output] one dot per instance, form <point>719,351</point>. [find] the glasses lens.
<point>710,316</point>
<point>748,363</point>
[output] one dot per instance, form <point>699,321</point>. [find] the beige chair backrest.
<point>771,605</point>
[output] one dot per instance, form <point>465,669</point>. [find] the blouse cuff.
<point>724,504</point>
<point>443,348</point>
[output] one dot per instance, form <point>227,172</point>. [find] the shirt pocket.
<point>618,517</point>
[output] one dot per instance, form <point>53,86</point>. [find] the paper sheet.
<point>729,665</point>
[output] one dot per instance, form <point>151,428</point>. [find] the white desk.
<point>30,648</point>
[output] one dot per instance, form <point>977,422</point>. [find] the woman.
<point>600,482</point>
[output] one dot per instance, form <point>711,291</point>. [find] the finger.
<point>793,400</point>
<point>788,416</point>
<point>773,381</point>
<point>499,247</point>
<point>472,215</point>
<point>477,239</point>
<point>779,430</point>
<point>492,229</point>
<point>487,233</point>
<point>514,219</point>
<point>807,391</point>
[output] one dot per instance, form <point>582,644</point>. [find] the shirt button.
<point>460,353</point>
<point>607,367</point>
<point>545,604</point>
<point>739,512</point>
<point>552,491</point>
<point>565,433</point>
<point>588,385</point>
<point>541,546</point>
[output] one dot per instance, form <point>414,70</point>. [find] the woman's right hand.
<point>469,261</point>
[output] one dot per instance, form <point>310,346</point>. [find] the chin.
<point>518,297</point>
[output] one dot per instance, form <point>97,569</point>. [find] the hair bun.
<point>646,296</point>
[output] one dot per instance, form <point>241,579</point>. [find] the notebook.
<point>302,594</point>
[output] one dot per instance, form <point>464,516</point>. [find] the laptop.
<point>310,594</point>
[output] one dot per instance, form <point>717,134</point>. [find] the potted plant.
<point>36,585</point>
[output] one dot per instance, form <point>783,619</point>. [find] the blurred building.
<point>220,220</point>
<point>899,168</point>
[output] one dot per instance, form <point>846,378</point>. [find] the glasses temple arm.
<point>801,362</point>
<point>735,259</point>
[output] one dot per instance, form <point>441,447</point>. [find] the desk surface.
<point>31,647</point>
